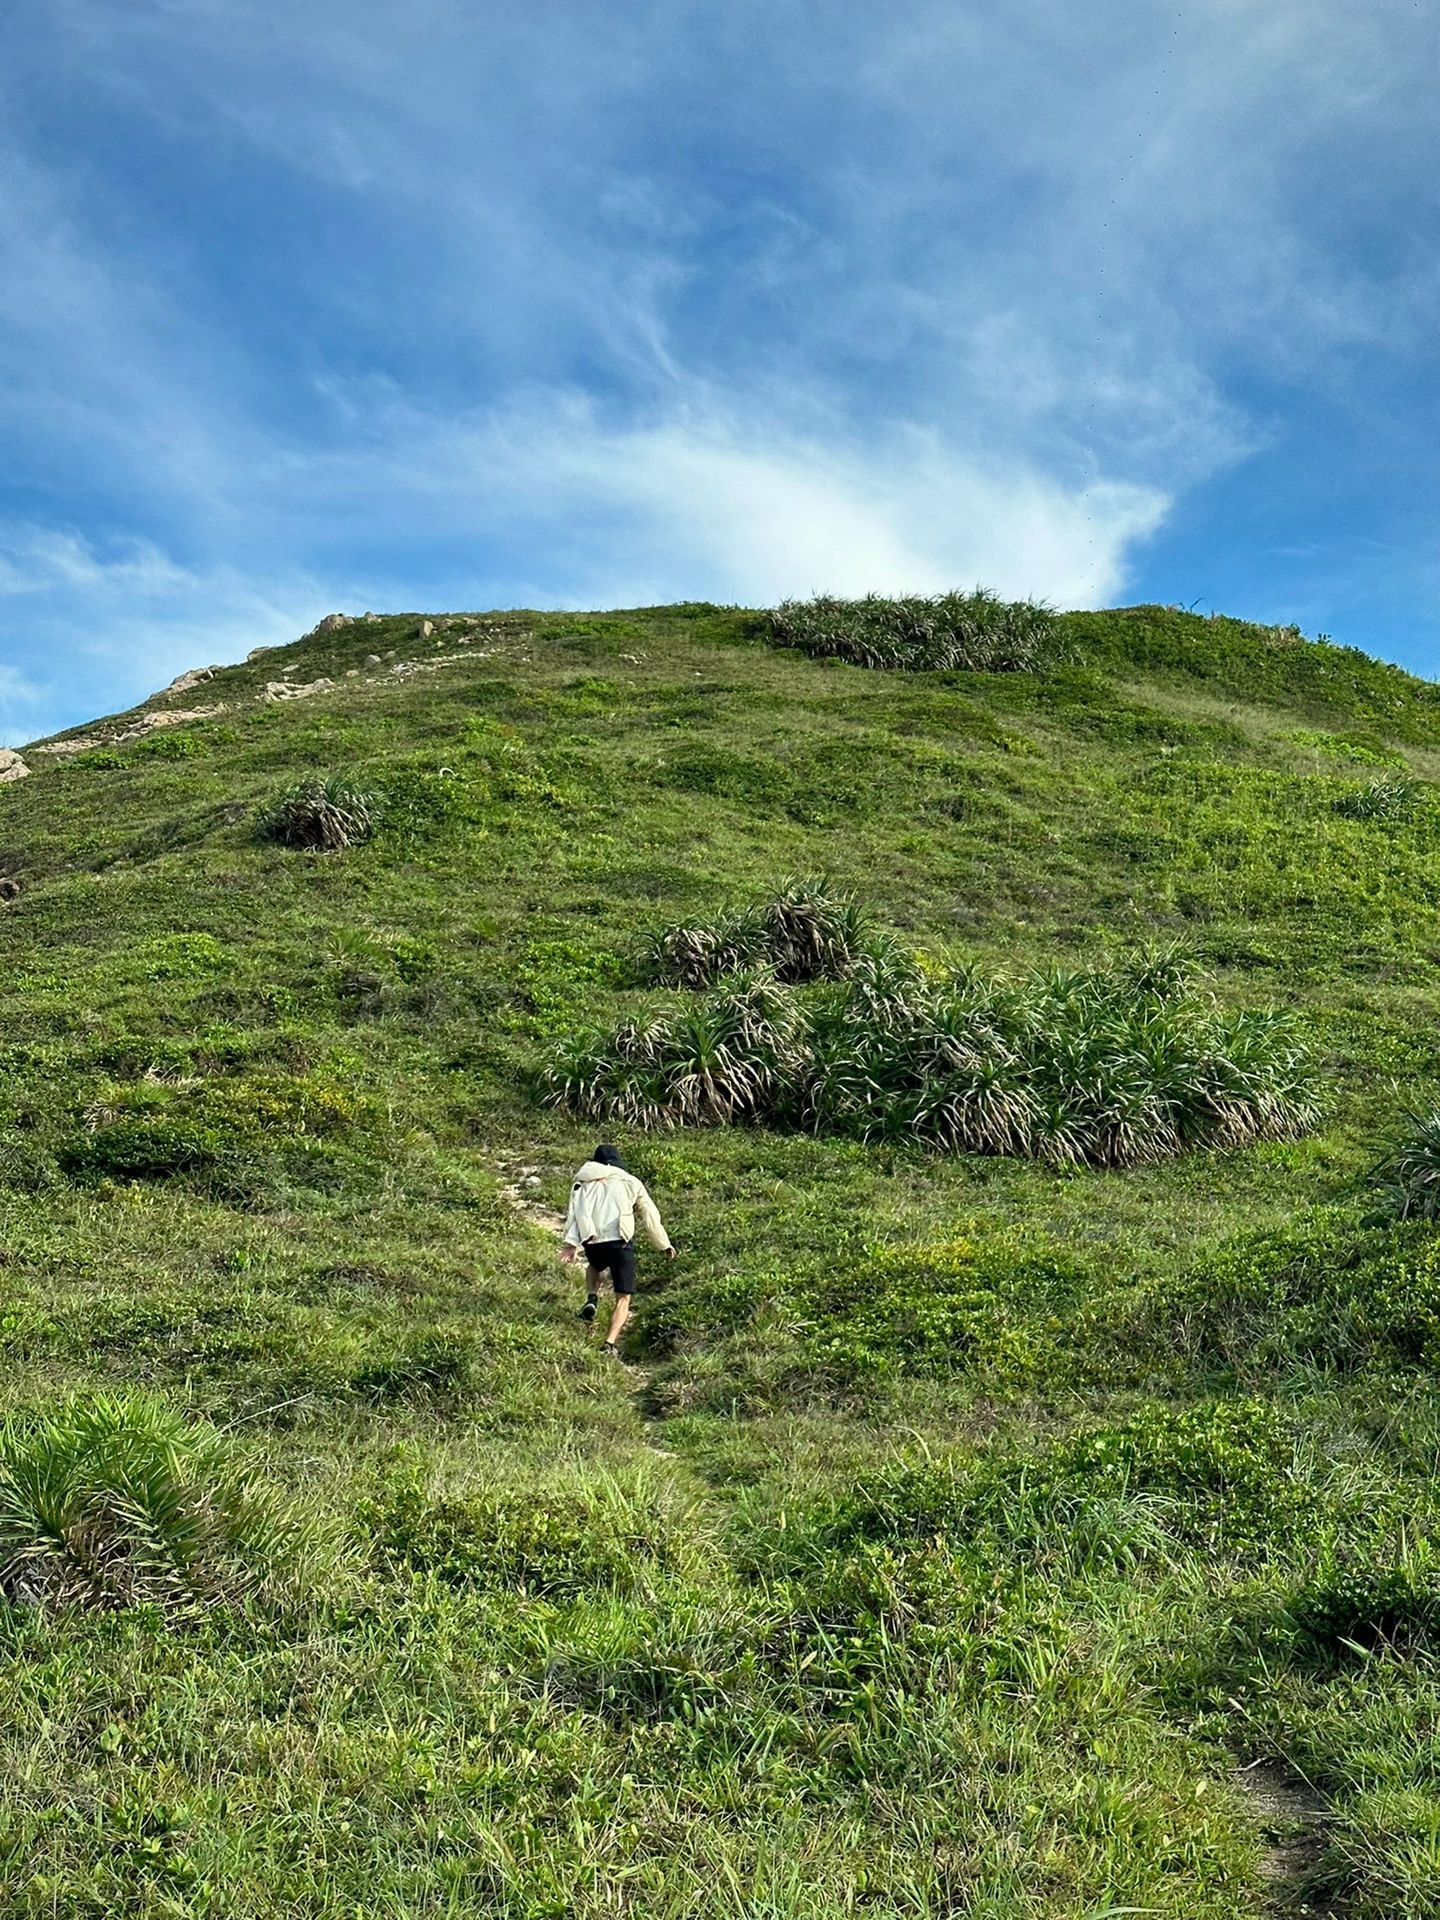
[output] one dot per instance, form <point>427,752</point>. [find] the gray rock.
<point>333,622</point>
<point>427,627</point>
<point>12,767</point>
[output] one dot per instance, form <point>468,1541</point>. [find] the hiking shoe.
<point>611,1349</point>
<point>587,1312</point>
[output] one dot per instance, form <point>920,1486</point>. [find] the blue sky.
<point>432,305</point>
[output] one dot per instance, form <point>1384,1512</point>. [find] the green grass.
<point>963,1525</point>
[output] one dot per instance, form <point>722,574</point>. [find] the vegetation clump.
<point>806,933</point>
<point>1111,1066</point>
<point>1384,800</point>
<point>923,633</point>
<point>117,1500</point>
<point>323,813</point>
<point>1408,1178</point>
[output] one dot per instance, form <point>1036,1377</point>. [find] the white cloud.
<point>702,506</point>
<point>566,304</point>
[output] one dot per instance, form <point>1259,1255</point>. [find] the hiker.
<point>601,1224</point>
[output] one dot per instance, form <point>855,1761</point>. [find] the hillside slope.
<point>964,1536</point>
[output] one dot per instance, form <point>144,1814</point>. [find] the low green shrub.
<point>1360,1606</point>
<point>322,813</point>
<point>140,1149</point>
<point>183,956</point>
<point>1218,1473</point>
<point>549,1542</point>
<point>119,1501</point>
<point>984,1304</point>
<point>1325,1290</point>
<point>944,632</point>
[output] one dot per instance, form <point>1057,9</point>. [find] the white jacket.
<point>603,1204</point>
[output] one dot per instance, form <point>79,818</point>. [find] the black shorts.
<point>615,1257</point>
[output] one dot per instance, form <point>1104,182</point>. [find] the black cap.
<point>608,1157</point>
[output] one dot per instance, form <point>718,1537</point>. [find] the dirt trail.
<point>520,1192</point>
<point>1293,1818</point>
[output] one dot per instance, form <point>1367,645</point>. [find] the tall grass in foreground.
<point>117,1500</point>
<point>923,632</point>
<point>1107,1067</point>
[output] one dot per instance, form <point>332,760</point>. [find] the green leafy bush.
<point>1323,1291</point>
<point>322,813</point>
<point>1105,1067</point>
<point>140,1149</point>
<point>183,956</point>
<point>983,1303</point>
<point>1219,1472</point>
<point>807,932</point>
<point>118,1501</point>
<point>1359,1606</point>
<point>604,1537</point>
<point>923,633</point>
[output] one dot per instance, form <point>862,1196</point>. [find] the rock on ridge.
<point>12,767</point>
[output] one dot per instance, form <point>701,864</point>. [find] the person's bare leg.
<point>618,1319</point>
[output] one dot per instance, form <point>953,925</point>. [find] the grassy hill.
<point>964,1535</point>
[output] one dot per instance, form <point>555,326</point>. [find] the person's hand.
<point>569,1254</point>
<point>670,1252</point>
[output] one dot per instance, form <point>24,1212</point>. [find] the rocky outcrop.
<point>332,623</point>
<point>183,682</point>
<point>284,690</point>
<point>12,767</point>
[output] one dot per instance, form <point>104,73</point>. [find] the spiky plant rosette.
<point>323,813</point>
<point>944,632</point>
<point>117,1500</point>
<point>1408,1178</point>
<point>807,932</point>
<point>1111,1066</point>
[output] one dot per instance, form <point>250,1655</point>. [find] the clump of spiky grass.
<point>1381,800</point>
<point>1109,1067</point>
<point>1408,1178</point>
<point>323,813</point>
<point>117,1500</point>
<point>732,1055</point>
<point>939,632</point>
<point>806,932</point>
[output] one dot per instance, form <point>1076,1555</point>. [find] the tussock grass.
<point>323,813</point>
<point>117,1500</point>
<point>807,932</point>
<point>942,632</point>
<point>1383,800</point>
<point>1408,1178</point>
<point>1109,1067</point>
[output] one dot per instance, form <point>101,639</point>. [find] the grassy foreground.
<point>968,1536</point>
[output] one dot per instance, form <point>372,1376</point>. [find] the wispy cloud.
<point>331,306</point>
